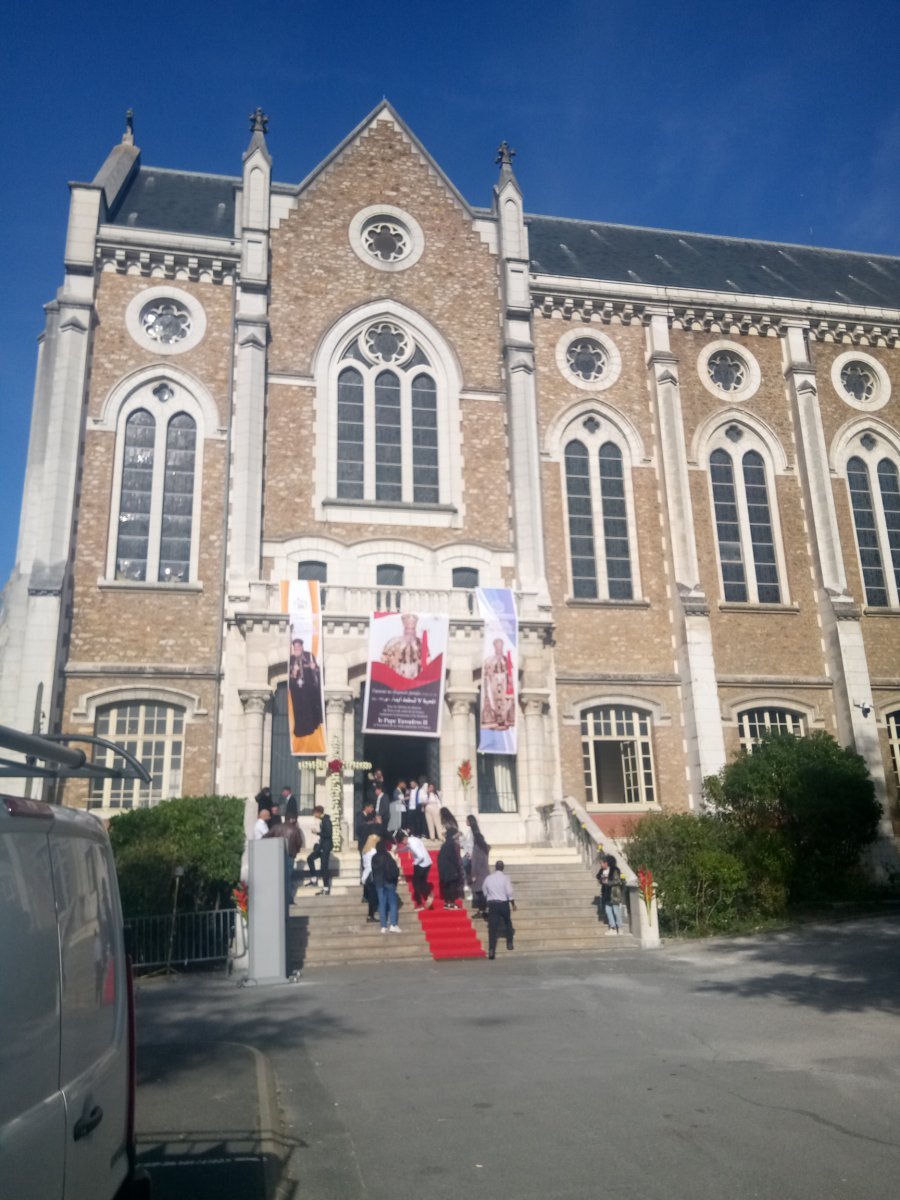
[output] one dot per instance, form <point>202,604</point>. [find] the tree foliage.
<point>786,823</point>
<point>202,834</point>
<point>815,792</point>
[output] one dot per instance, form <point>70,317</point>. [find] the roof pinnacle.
<point>128,135</point>
<point>259,122</point>
<point>505,155</point>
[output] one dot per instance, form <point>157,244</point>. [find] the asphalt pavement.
<point>765,1066</point>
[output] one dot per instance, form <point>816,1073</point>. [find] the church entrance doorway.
<point>407,758</point>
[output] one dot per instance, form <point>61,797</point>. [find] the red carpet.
<point>448,931</point>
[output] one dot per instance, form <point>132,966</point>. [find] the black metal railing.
<point>181,940</point>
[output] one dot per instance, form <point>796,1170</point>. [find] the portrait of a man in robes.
<point>305,682</point>
<point>498,693</point>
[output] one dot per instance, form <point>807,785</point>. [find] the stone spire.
<point>505,155</point>
<point>128,135</point>
<point>259,125</point>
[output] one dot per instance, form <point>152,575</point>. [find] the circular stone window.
<point>165,320</point>
<point>860,380</point>
<point>728,371</point>
<point>386,238</point>
<point>589,360</point>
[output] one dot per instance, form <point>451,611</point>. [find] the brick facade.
<point>214,645</point>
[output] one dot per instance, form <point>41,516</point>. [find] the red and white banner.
<point>499,671</point>
<point>306,685</point>
<point>405,685</point>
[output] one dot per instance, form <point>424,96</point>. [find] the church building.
<point>680,452</point>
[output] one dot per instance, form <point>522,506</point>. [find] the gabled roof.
<point>178,202</point>
<point>702,262</point>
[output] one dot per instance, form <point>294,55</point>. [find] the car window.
<point>29,979</point>
<point>90,969</point>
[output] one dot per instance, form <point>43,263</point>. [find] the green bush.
<point>710,876</point>
<point>814,793</point>
<point>202,834</point>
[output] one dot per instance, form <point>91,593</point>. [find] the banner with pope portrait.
<point>499,671</point>
<point>306,686</point>
<point>405,684</point>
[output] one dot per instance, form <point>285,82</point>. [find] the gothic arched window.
<point>387,419</point>
<point>745,529</point>
<point>876,520</point>
<point>156,496</point>
<point>597,500</point>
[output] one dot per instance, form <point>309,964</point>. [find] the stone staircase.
<point>557,898</point>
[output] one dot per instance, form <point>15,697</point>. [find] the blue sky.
<point>769,120</point>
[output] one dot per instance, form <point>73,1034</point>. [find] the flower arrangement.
<point>647,888</point>
<point>334,766</point>
<point>241,897</point>
<point>464,773</point>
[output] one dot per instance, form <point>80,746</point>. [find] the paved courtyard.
<point>758,1067</point>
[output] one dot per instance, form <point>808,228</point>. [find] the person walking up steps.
<point>498,892</point>
<point>321,851</point>
<point>385,874</point>
<point>421,859</point>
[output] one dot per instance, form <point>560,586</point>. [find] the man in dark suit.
<point>322,849</point>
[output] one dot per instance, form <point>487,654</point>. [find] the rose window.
<point>859,381</point>
<point>587,359</point>
<point>386,343</point>
<point>386,240</point>
<point>166,322</point>
<point>727,371</point>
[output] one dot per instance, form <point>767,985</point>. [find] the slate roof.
<point>178,202</point>
<point>662,258</point>
<point>191,203</point>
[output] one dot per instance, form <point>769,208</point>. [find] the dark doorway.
<point>405,758</point>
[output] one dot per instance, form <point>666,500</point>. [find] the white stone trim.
<point>747,389</point>
<point>147,377</point>
<point>576,411</point>
<point>842,447</point>
<point>710,433</point>
<point>771,699</point>
<point>85,712</point>
<point>166,292</point>
<point>573,711</point>
<point>884,381</point>
<point>399,216</point>
<point>614,367</point>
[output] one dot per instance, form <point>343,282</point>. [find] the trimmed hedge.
<point>202,834</point>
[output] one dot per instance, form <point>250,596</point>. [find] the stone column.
<point>532,772</point>
<point>693,636</point>
<point>459,746</point>
<point>839,614</point>
<point>255,702</point>
<point>337,706</point>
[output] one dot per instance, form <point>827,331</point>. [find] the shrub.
<point>202,834</point>
<point>711,876</point>
<point>811,791</point>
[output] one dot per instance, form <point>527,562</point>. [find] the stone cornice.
<point>713,312</point>
<point>207,260</point>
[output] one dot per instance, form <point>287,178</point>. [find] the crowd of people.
<point>404,821</point>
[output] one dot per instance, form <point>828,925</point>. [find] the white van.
<point>67,1052</point>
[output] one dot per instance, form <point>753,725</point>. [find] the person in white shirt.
<point>261,828</point>
<point>498,892</point>
<point>421,889</point>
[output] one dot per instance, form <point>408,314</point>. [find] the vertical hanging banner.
<point>306,692</point>
<point>499,671</point>
<point>405,686</point>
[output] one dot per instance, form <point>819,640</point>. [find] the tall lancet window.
<point>601,537</point>
<point>745,530</point>
<point>388,445</point>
